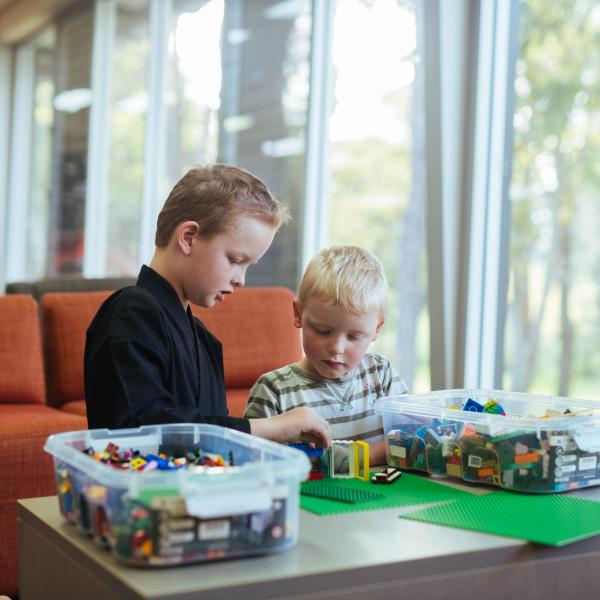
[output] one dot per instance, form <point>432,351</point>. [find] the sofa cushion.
<point>21,363</point>
<point>256,328</point>
<point>67,283</point>
<point>26,471</point>
<point>236,400</point>
<point>75,407</point>
<point>65,319</point>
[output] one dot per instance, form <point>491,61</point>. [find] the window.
<point>374,201</point>
<point>44,47</point>
<point>553,318</point>
<point>238,93</point>
<point>72,99</point>
<point>180,83</point>
<point>127,111</point>
<point>49,149</point>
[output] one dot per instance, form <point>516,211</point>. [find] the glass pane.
<point>74,35</point>
<point>553,319</point>
<point>193,94</point>
<point>127,112</point>
<point>41,154</point>
<point>238,93</point>
<point>375,147</point>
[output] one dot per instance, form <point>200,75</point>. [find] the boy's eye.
<point>356,337</point>
<point>234,261</point>
<point>322,331</point>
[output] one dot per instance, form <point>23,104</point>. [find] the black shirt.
<point>149,361</point>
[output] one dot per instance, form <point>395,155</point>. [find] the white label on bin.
<point>558,440</point>
<point>474,461</point>
<point>561,460</point>
<point>180,537</point>
<point>399,451</point>
<point>280,491</point>
<point>178,524</point>
<point>208,502</point>
<point>587,462</point>
<point>214,530</point>
<point>568,468</point>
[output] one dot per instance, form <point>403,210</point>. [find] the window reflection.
<point>238,93</point>
<point>128,108</point>
<point>41,157</point>
<point>376,142</point>
<point>74,35</point>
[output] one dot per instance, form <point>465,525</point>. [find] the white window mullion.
<point>154,140</point>
<point>453,56</point>
<point>434,213</point>
<point>96,201</point>
<point>5,104</point>
<point>488,242</point>
<point>20,165</point>
<point>316,195</point>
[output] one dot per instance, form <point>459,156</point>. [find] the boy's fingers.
<point>319,434</point>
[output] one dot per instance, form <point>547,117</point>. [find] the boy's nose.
<point>239,279</point>
<point>336,348</point>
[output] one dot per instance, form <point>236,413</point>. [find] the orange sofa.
<point>41,379</point>
<point>25,423</point>
<point>255,326</point>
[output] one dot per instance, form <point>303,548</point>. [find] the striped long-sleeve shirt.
<point>346,402</point>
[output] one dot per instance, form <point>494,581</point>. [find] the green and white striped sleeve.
<point>263,400</point>
<point>393,384</point>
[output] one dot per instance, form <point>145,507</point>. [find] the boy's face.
<point>218,265</point>
<point>334,339</point>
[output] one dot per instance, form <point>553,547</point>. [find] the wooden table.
<point>366,554</point>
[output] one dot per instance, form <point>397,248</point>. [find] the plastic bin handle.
<point>235,498</point>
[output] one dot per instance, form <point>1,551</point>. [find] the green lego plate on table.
<point>405,491</point>
<point>554,519</point>
<point>341,494</point>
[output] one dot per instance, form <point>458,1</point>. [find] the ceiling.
<point>20,19</point>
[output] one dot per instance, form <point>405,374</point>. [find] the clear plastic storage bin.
<point>164,517</point>
<point>540,444</point>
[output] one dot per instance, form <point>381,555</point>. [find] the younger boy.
<point>340,309</point>
<point>147,359</point>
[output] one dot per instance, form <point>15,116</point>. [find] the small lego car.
<point>387,475</point>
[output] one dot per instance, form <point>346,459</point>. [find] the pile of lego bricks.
<point>134,460</point>
<point>155,528</point>
<point>540,460</point>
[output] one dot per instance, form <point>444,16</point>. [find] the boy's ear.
<point>184,236</point>
<point>379,326</point>
<point>297,314</point>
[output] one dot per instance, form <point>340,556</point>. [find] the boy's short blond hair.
<point>214,196</point>
<point>346,276</point>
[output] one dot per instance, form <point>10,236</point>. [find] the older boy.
<point>340,309</point>
<point>147,359</point>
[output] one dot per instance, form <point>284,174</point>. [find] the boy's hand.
<point>297,424</point>
<point>377,453</point>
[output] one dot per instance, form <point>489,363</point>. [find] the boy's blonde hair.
<point>214,196</point>
<point>346,276</point>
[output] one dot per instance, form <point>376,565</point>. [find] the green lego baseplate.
<point>408,490</point>
<point>552,519</point>
<point>341,494</point>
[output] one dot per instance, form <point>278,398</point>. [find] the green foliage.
<point>554,183</point>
